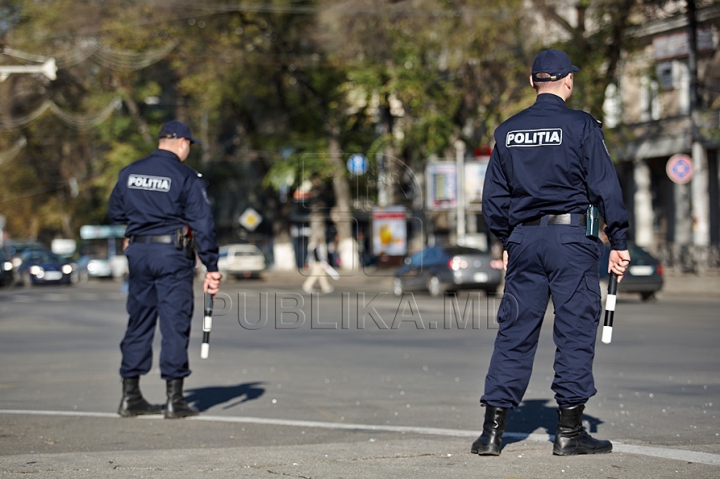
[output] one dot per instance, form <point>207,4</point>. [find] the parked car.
<point>41,267</point>
<point>643,276</point>
<point>91,266</point>
<point>241,260</point>
<point>6,270</point>
<point>439,269</point>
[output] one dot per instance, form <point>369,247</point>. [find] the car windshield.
<point>43,257</point>
<point>639,254</point>
<point>457,250</point>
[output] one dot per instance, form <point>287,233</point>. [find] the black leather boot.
<point>176,405</point>
<point>571,438</point>
<point>490,441</point>
<point>133,403</point>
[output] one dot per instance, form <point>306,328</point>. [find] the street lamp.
<point>49,69</point>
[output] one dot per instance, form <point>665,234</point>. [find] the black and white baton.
<point>207,326</point>
<point>610,309</point>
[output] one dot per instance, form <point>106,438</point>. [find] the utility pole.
<point>699,191</point>
<point>460,186</point>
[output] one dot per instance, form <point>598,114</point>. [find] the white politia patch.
<point>149,183</point>
<point>531,138</point>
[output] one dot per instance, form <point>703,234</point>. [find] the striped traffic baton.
<point>610,309</point>
<point>206,326</point>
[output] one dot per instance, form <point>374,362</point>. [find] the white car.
<point>241,260</point>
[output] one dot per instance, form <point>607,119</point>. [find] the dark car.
<point>6,270</point>
<point>439,269</point>
<point>643,276</point>
<point>43,267</point>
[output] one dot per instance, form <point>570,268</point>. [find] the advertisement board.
<point>474,180</point>
<point>389,231</point>
<point>441,180</point>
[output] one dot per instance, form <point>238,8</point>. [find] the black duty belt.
<point>564,219</point>
<point>166,239</point>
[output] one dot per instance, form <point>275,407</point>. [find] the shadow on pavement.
<point>205,398</point>
<point>533,414</point>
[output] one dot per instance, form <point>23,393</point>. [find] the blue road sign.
<point>357,164</point>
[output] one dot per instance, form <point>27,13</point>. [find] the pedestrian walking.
<point>165,207</point>
<point>319,269</point>
<point>549,165</point>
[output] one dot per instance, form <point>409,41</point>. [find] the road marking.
<point>676,454</point>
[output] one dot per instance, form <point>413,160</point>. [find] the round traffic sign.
<point>357,164</point>
<point>679,169</point>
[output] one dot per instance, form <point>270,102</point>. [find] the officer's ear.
<point>532,83</point>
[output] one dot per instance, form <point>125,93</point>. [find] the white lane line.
<point>676,454</point>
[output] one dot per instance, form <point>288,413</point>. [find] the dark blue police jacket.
<point>550,159</point>
<point>159,194</point>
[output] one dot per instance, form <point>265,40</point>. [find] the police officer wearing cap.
<point>548,165</point>
<point>164,204</point>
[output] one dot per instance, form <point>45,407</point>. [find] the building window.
<point>650,100</point>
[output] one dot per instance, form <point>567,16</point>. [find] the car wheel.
<point>398,287</point>
<point>435,287</point>
<point>647,296</point>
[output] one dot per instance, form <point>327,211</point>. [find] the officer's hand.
<point>505,259</point>
<point>126,243</point>
<point>618,263</point>
<point>212,282</point>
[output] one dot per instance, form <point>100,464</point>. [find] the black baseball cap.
<point>176,129</point>
<point>553,62</point>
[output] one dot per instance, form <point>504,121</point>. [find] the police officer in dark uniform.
<point>165,207</point>
<point>549,164</point>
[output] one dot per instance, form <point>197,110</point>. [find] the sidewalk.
<point>690,284</point>
<point>378,457</point>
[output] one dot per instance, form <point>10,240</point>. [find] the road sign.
<point>250,219</point>
<point>357,164</point>
<point>679,169</point>
<point>102,231</point>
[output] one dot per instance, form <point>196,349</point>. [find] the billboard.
<point>474,180</point>
<point>441,180</point>
<point>389,231</point>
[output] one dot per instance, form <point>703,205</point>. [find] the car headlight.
<point>7,266</point>
<point>36,270</point>
<point>66,269</point>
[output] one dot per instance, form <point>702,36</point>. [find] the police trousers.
<point>545,261</point>
<point>160,286</point>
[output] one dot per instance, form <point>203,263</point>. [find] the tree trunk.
<point>341,213</point>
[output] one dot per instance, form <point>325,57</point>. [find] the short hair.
<point>547,85</point>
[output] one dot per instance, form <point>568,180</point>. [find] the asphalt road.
<point>357,383</point>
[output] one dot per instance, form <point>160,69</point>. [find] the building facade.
<point>661,120</point>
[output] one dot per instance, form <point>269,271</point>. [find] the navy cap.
<point>176,129</point>
<point>553,62</point>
